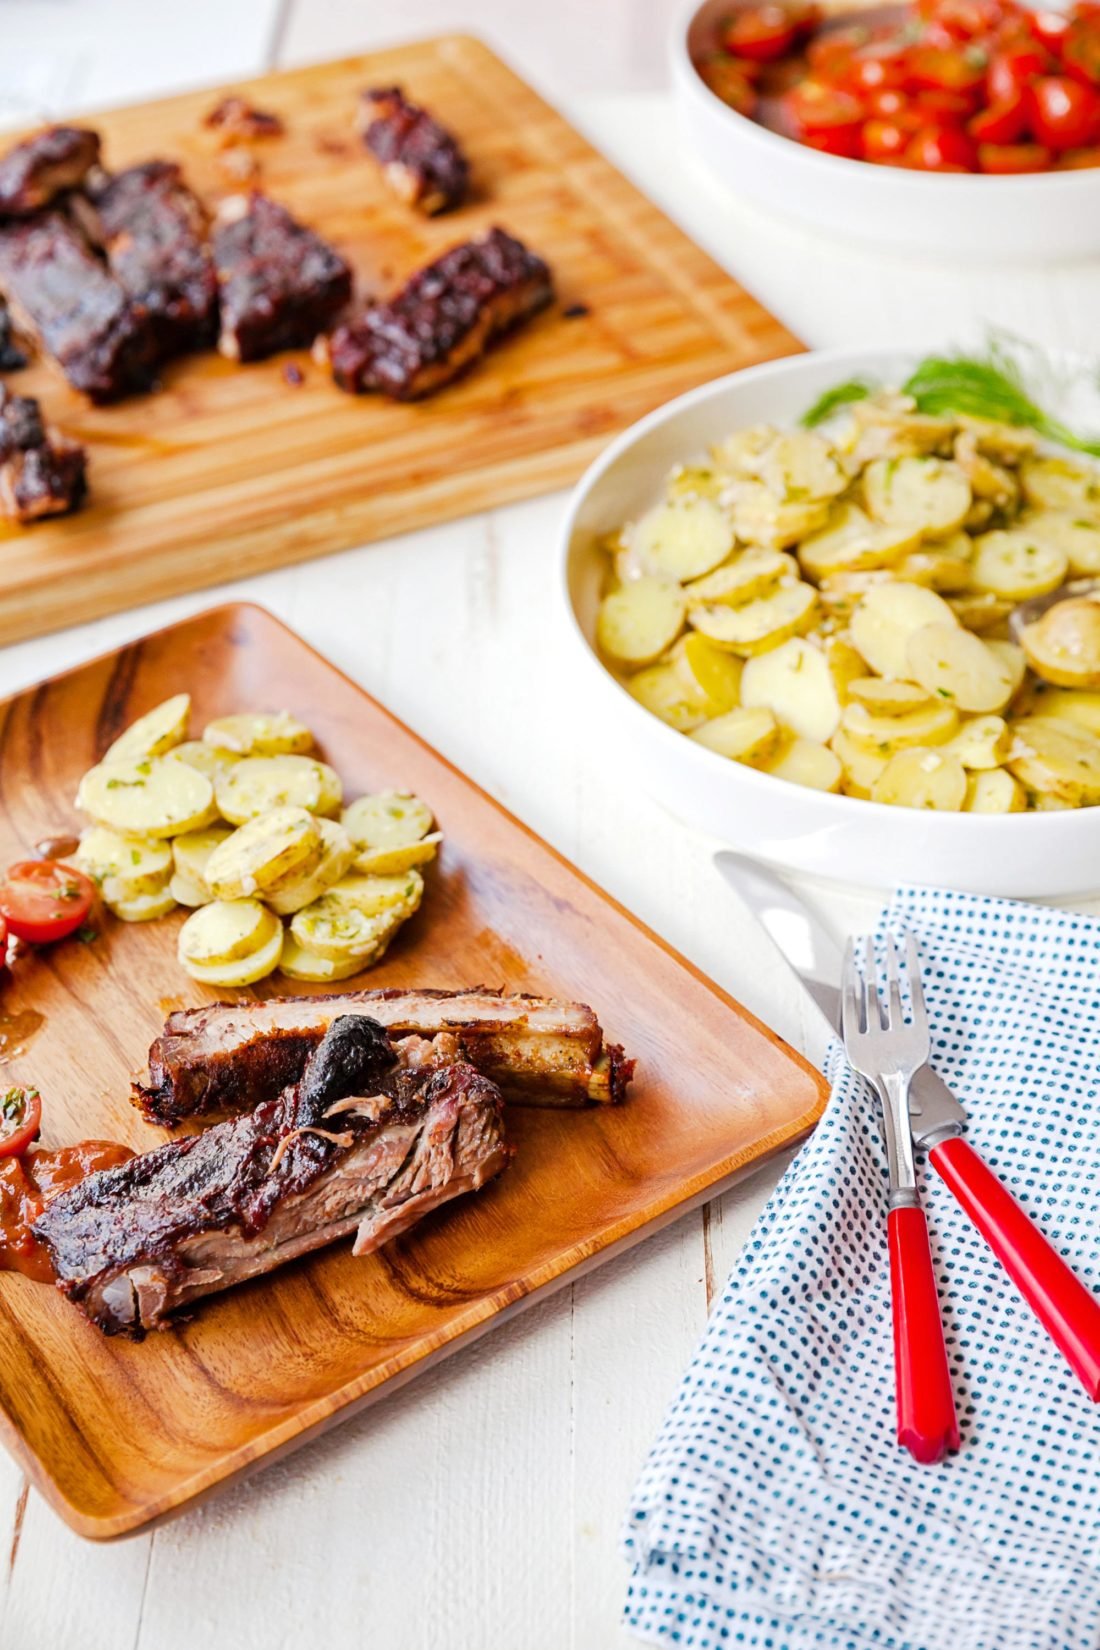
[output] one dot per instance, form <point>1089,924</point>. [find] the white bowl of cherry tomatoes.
<point>945,127</point>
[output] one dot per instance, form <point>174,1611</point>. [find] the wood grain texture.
<point>230,470</point>
<point>116,1434</point>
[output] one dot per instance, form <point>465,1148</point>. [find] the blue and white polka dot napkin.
<point>775,1510</point>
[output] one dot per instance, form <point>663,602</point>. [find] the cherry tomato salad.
<point>936,85</point>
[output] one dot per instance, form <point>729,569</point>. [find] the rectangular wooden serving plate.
<point>116,1434</point>
<point>229,470</point>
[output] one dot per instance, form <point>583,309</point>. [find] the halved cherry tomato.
<point>941,149</point>
<point>727,79</point>
<point>1011,71</point>
<point>1063,113</point>
<point>967,19</point>
<point>1002,122</point>
<point>43,900</point>
<point>1075,160</point>
<point>1049,27</point>
<point>767,31</point>
<point>20,1120</point>
<point>817,108</point>
<point>1081,48</point>
<point>1014,157</point>
<point>944,108</point>
<point>833,49</point>
<point>884,141</point>
<point>946,69</point>
<point>876,69</point>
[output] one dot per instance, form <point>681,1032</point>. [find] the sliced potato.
<point>225,931</point>
<point>918,778</point>
<point>336,931</point>
<point>845,664</point>
<point>931,724</point>
<point>187,890</point>
<point>884,697</point>
<point>950,663</point>
<point>259,853</point>
<point>994,791</point>
<point>274,733</point>
<point>794,682</point>
<point>1006,443</point>
<point>663,692</point>
<point>761,517</point>
<point>135,865</point>
<point>1063,645</point>
<point>1056,758</point>
<point>841,594</point>
<point>684,540</point>
<point>989,482</point>
<point>981,743</point>
<point>209,759</point>
<point>806,762</point>
<point>153,796</point>
<point>886,618</point>
<point>191,851</point>
<point>742,453</point>
<point>392,861</point>
<point>1012,656</point>
<point>748,574</point>
<point>930,494</point>
<point>142,907</point>
<point>299,964</point>
<point>742,735</point>
<point>244,970</point>
<point>800,465</point>
<point>638,622</point>
<point>850,542</point>
<point>1069,705</point>
<point>861,766</point>
<point>758,625</point>
<point>1056,484</point>
<point>298,888</point>
<point>332,791</point>
<point>979,610</point>
<point>711,675</point>
<point>154,733</point>
<point>1012,564</point>
<point>374,895</point>
<point>387,819</point>
<point>256,784</point>
<point>950,574</point>
<point>692,481</point>
<point>1077,537</point>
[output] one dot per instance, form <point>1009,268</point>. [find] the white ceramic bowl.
<point>842,837</point>
<point>1039,217</point>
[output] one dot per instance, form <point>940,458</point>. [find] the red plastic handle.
<point>1068,1312</point>
<point>927,1426</point>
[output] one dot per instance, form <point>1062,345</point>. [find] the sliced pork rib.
<point>42,472</point>
<point>36,171</point>
<point>361,1145</point>
<point>12,358</point>
<point>279,283</point>
<point>153,232</point>
<point>228,1056</point>
<point>420,160</point>
<point>61,294</point>
<point>444,318</point>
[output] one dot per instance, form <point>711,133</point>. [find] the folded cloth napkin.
<point>775,1510</point>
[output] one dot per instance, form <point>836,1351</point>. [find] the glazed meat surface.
<point>12,358</point>
<point>279,283</point>
<point>442,321</point>
<point>35,172</point>
<point>153,232</point>
<point>228,1056</point>
<point>420,160</point>
<point>42,472</point>
<point>360,1145</point>
<point>60,293</point>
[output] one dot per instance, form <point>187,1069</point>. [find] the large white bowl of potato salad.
<point>843,611</point>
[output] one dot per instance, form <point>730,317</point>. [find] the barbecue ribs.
<point>42,473</point>
<point>35,172</point>
<point>279,283</point>
<point>420,160</point>
<point>153,232</point>
<point>60,293</point>
<point>229,1056</point>
<point>361,1144</point>
<point>442,321</point>
<point>12,358</point>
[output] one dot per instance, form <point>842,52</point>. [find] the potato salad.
<point>249,828</point>
<point>895,607</point>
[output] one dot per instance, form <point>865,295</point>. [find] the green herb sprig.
<point>992,389</point>
<point>856,389</point>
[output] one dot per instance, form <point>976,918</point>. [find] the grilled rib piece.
<point>62,295</point>
<point>279,283</point>
<point>442,321</point>
<point>133,1244</point>
<point>42,472</point>
<point>12,358</point>
<point>153,232</point>
<point>36,171</point>
<point>229,1056</point>
<point>234,120</point>
<point>420,160</point>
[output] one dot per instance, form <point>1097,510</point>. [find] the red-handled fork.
<point>887,1049</point>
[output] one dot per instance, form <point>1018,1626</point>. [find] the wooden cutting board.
<point>116,1433</point>
<point>231,470</point>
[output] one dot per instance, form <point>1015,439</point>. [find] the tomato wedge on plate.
<point>42,900</point>
<point>20,1120</point>
<point>1063,113</point>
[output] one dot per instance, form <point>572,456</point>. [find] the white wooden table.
<point>479,1509</point>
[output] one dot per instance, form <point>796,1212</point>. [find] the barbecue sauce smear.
<point>28,1183</point>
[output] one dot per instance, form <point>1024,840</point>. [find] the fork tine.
<point>895,1016</point>
<point>850,997</point>
<point>875,1021</point>
<point>916,987</point>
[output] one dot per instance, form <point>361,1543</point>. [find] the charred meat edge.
<point>42,472</point>
<point>360,1144</point>
<point>230,1056</point>
<point>38,170</point>
<point>279,284</point>
<point>421,161</point>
